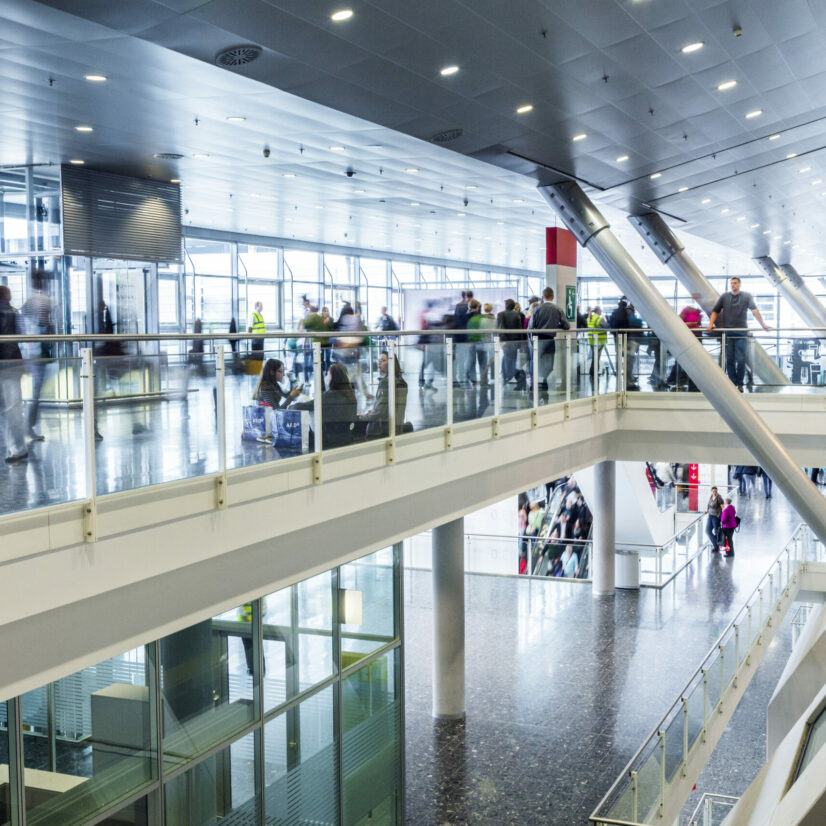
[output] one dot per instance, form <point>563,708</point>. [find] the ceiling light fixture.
<point>791,155</point>
<point>786,243</point>
<point>706,201</point>
<point>774,137</point>
<point>236,118</point>
<point>741,218</point>
<point>683,189</point>
<point>524,109</point>
<point>471,187</point>
<point>77,163</point>
<point>448,70</point>
<point>84,129</point>
<point>818,181</point>
<point>460,214</point>
<point>767,232</point>
<point>95,78</point>
<point>412,170</point>
<point>414,203</point>
<point>755,113</point>
<point>580,137</point>
<point>518,201</point>
<point>289,175</point>
<point>656,175</point>
<point>804,170</point>
<point>337,148</point>
<point>726,85</point>
<point>172,180</point>
<point>724,211</point>
<point>358,191</point>
<point>692,47</point>
<point>622,159</point>
<point>754,226</point>
<point>201,156</point>
<point>341,15</point>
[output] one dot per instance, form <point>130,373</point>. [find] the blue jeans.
<point>713,530</point>
<point>737,349</point>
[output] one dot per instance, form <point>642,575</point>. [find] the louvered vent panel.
<point>114,216</point>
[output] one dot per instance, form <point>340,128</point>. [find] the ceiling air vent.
<point>168,156</point>
<point>447,136</point>
<point>238,55</point>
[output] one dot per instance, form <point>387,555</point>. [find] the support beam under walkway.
<point>671,251</point>
<point>592,230</point>
<point>793,288</point>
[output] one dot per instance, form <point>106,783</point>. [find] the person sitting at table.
<point>338,408</point>
<point>375,424</point>
<point>269,391</point>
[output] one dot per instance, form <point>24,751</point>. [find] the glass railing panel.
<point>155,419</point>
<point>623,807</point>
<point>494,554</point>
<point>41,420</point>
<point>729,660</point>
<point>5,812</point>
<point>674,746</point>
<point>714,669</point>
<point>695,706</point>
<point>649,783</point>
<point>582,356</point>
<point>423,372</point>
<point>473,383</point>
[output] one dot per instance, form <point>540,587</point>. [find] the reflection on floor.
<point>563,688</point>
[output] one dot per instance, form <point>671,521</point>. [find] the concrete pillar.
<point>449,620</point>
<point>604,539</point>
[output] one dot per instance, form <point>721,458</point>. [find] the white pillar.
<point>449,620</point>
<point>604,541</point>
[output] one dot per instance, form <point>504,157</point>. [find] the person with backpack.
<point>729,522</point>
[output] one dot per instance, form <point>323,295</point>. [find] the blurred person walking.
<point>546,316</point>
<point>510,319</point>
<point>258,327</point>
<point>11,371</point>
<point>38,318</point>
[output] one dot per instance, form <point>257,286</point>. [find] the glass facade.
<point>286,709</point>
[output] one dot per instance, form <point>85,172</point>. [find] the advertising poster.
<point>426,308</point>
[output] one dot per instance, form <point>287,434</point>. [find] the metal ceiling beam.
<point>793,288</point>
<point>592,231</point>
<point>671,251</point>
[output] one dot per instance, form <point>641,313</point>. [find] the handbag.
<point>290,430</point>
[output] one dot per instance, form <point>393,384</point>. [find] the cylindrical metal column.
<point>592,231</point>
<point>794,290</point>
<point>604,544</point>
<point>671,251</point>
<point>449,620</point>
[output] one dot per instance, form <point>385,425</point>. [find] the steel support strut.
<point>593,232</point>
<point>670,250</point>
<point>794,290</point>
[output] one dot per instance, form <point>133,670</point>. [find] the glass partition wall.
<point>285,709</point>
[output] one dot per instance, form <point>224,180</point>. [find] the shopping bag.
<point>291,430</point>
<point>256,423</point>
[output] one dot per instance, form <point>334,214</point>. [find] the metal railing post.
<point>87,389</point>
<point>659,566</point>
<point>595,366</point>
<point>662,772</point>
<point>318,428</point>
<point>535,378</point>
<point>221,418</point>
<point>448,345</point>
<point>721,649</point>
<point>391,401</point>
<point>634,796</point>
<point>497,376</point>
<point>705,703</point>
<point>568,366</point>
<point>685,735</point>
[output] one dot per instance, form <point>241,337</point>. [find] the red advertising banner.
<point>693,487</point>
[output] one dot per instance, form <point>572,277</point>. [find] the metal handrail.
<point>698,673</point>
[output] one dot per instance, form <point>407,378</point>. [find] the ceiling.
<point>612,70</point>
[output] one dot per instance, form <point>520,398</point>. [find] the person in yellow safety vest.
<point>245,615</point>
<point>596,321</point>
<point>258,327</point>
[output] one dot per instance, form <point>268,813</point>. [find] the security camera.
<point>266,151</point>
<point>737,31</point>
<point>465,202</point>
<point>350,172</point>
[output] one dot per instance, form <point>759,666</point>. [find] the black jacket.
<point>9,350</point>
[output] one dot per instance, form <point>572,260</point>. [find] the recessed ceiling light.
<point>500,223</point>
<point>336,148</point>
<point>692,47</point>
<point>289,175</point>
<point>741,217</point>
<point>754,226</point>
<point>622,159</point>
<point>77,162</point>
<point>774,137</point>
<point>726,85</point>
<point>524,109</point>
<point>724,211</point>
<point>791,155</point>
<point>319,206</point>
<point>804,170</point>
<point>818,181</point>
<point>448,70</point>
<point>95,78</point>
<point>201,156</point>
<point>580,137</point>
<point>656,175</point>
<point>460,214</point>
<point>683,189</point>
<point>414,203</point>
<point>786,243</point>
<point>255,195</point>
<point>341,14</point>
<point>84,129</point>
<point>412,170</point>
<point>767,232</point>
<point>755,113</point>
<point>471,187</point>
<point>236,118</point>
<point>518,201</point>
<point>174,180</point>
<point>358,191</point>
<point>706,201</point>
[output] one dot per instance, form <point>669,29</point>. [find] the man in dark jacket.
<point>11,371</point>
<point>547,316</point>
<point>510,319</point>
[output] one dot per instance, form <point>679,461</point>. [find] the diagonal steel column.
<point>792,287</point>
<point>671,251</point>
<point>593,232</point>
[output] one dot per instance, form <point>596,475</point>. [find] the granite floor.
<point>563,688</point>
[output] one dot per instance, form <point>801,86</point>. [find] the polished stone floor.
<point>563,688</point>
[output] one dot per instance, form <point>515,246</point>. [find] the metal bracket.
<point>316,468</point>
<point>495,427</point>
<point>566,411</point>
<point>449,438</point>
<point>622,401</point>
<point>390,451</point>
<point>221,491</point>
<point>90,533</point>
<point>594,405</point>
<point>534,418</point>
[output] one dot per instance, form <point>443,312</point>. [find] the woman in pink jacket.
<point>728,522</point>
